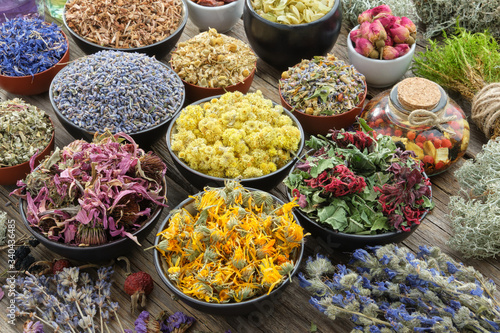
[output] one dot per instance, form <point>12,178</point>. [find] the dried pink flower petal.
<point>399,33</point>
<point>389,53</point>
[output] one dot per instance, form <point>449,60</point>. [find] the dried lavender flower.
<point>388,288</point>
<point>475,212</point>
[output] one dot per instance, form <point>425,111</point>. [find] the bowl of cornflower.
<point>235,136</point>
<point>150,27</point>
<point>117,91</point>
<point>324,93</point>
<point>227,249</point>
<point>94,201</point>
<point>355,189</point>
<point>26,137</point>
<point>33,52</point>
<point>211,63</point>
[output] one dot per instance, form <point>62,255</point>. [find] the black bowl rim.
<point>44,240</point>
<point>243,180</point>
<point>149,129</point>
<point>181,26</point>
<point>381,236</point>
<point>59,63</point>
<point>219,306</point>
<point>326,17</point>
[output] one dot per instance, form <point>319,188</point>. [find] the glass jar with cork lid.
<point>419,116</point>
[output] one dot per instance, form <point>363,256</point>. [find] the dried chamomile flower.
<point>213,60</point>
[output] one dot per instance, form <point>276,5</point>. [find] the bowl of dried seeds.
<point>324,93</point>
<point>211,64</point>
<point>117,91</point>
<point>26,69</point>
<point>26,137</point>
<point>236,271</point>
<point>151,27</point>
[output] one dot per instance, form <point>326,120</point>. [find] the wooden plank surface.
<point>290,312</point>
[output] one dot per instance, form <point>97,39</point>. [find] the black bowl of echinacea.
<point>219,253</point>
<point>355,190</point>
<point>235,136</point>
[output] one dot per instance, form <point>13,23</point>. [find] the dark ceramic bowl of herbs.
<point>283,45</point>
<point>94,201</point>
<point>324,93</point>
<point>261,266</point>
<point>354,190</point>
<point>27,136</point>
<point>260,154</point>
<point>118,92</point>
<point>169,20</point>
<point>27,70</point>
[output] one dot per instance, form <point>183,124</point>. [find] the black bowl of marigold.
<point>226,249</point>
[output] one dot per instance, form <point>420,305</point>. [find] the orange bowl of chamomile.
<point>218,253</point>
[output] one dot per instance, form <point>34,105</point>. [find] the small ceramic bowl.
<point>96,253</point>
<point>36,84</point>
<point>11,174</point>
<point>221,18</point>
<point>159,49</point>
<point>195,93</point>
<point>225,309</point>
<point>282,45</point>
<point>379,73</point>
<point>322,124</point>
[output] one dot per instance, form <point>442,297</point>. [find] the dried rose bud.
<point>365,16</point>
<point>408,24</point>
<point>402,49</point>
<point>364,29</point>
<point>389,53</point>
<point>399,33</point>
<point>389,41</point>
<point>355,34</point>
<point>387,20</point>
<point>381,9</point>
<point>377,34</point>
<point>364,47</point>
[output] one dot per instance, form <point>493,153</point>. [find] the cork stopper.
<point>418,93</point>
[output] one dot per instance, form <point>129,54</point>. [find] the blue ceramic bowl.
<point>282,45</point>
<point>226,309</point>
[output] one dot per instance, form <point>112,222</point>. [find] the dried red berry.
<point>59,265</point>
<point>138,285</point>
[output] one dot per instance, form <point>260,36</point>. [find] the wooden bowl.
<point>36,84</point>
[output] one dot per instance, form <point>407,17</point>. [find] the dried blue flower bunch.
<point>29,45</point>
<point>69,301</point>
<point>391,289</point>
<point>175,323</point>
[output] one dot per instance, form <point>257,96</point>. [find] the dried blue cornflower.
<point>389,289</point>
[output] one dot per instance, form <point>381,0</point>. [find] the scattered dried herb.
<point>124,23</point>
<point>25,130</point>
<point>93,193</point>
<point>478,16</point>
<point>475,212</point>
<point>175,323</point>
<point>356,183</point>
<point>292,12</point>
<point>213,60</point>
<point>234,245</point>
<point>29,45</point>
<point>3,227</point>
<point>352,8</point>
<point>390,289</point>
<point>236,135</point>
<point>323,86</point>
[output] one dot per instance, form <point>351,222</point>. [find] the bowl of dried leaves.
<point>227,249</point>
<point>26,137</point>
<point>220,15</point>
<point>151,27</point>
<point>235,136</point>
<point>211,64</point>
<point>354,189</point>
<point>94,201</point>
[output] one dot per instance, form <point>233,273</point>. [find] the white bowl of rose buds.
<point>381,47</point>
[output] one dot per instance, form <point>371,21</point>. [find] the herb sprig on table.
<point>356,183</point>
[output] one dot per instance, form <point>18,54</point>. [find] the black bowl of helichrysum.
<point>282,38</point>
<point>117,91</point>
<point>235,136</point>
<point>153,27</point>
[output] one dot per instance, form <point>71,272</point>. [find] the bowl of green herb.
<point>26,137</point>
<point>356,189</point>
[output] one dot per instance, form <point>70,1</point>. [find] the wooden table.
<point>290,312</point>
